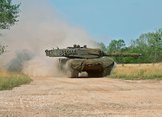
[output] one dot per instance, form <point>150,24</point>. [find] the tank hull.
<point>98,67</point>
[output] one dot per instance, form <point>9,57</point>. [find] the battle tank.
<point>77,59</point>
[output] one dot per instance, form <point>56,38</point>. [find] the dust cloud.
<point>39,28</point>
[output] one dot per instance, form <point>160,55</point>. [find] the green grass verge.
<point>13,80</point>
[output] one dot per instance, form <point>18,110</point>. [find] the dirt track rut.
<point>83,97</point>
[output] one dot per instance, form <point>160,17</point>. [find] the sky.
<point>105,20</point>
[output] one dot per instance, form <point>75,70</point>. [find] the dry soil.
<point>83,97</point>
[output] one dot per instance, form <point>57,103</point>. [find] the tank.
<point>77,59</point>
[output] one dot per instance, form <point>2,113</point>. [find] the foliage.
<point>8,13</point>
<point>8,17</point>
<point>116,46</point>
<point>12,80</point>
<point>148,44</point>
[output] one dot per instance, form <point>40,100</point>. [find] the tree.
<point>116,46</point>
<point>8,16</point>
<point>150,46</point>
<point>8,13</point>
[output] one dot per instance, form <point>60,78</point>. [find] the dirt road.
<point>64,97</point>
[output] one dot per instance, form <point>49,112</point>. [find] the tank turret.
<point>91,60</point>
<point>75,52</point>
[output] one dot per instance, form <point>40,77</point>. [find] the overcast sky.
<point>112,19</point>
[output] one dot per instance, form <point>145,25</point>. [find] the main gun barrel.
<point>134,55</point>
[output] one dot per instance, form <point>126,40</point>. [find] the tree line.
<point>149,45</point>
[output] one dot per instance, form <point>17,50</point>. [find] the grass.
<point>138,71</point>
<point>11,80</point>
